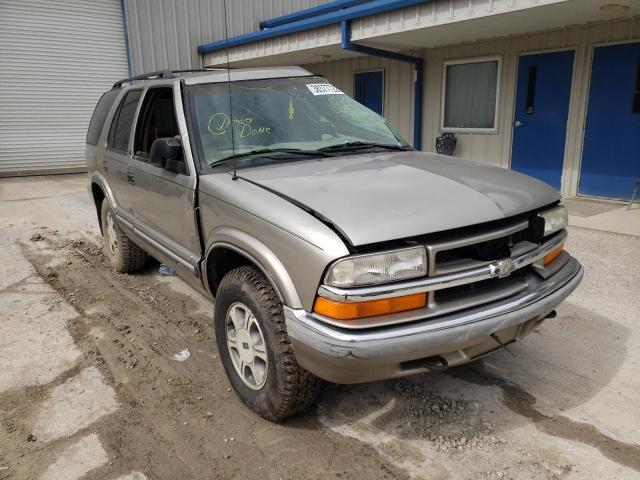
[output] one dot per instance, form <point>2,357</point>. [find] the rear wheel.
<point>255,349</point>
<point>123,255</point>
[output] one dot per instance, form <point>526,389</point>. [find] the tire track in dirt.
<point>180,419</point>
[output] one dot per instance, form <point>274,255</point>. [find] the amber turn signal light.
<point>551,256</point>
<point>370,308</point>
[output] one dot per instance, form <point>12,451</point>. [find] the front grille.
<point>460,290</point>
<point>479,249</point>
<point>458,254</point>
<point>483,251</point>
<point>474,294</point>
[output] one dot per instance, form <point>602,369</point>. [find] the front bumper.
<point>353,356</point>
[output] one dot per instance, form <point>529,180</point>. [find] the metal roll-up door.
<point>56,59</point>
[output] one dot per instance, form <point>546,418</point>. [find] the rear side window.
<point>99,116</point>
<point>120,130</point>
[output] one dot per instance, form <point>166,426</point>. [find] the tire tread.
<point>301,387</point>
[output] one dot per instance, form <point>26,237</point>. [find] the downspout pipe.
<point>417,62</point>
<point>126,36</point>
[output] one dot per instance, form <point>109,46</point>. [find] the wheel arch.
<point>99,191</point>
<point>230,248</point>
<point>98,196</point>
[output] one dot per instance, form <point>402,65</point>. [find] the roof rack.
<point>161,74</point>
<point>196,70</point>
<point>145,76</point>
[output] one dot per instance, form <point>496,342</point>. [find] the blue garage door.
<point>611,153</point>
<point>540,120</point>
<point>368,89</point>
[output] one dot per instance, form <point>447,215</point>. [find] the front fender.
<point>261,255</point>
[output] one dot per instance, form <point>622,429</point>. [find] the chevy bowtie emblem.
<point>502,268</point>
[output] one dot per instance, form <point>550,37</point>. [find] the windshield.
<point>294,117</point>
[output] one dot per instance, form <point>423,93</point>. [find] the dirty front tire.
<point>252,338</point>
<point>123,255</point>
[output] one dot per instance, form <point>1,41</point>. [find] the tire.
<point>123,255</point>
<point>286,388</point>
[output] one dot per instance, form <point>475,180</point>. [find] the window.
<point>99,116</point>
<point>120,130</point>
<point>299,113</point>
<point>157,120</point>
<point>470,95</point>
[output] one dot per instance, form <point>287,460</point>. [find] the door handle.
<point>131,178</point>
<point>105,165</point>
<point>517,123</point>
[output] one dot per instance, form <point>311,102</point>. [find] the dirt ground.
<point>105,375</point>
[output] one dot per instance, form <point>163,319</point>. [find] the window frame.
<point>116,117</point>
<point>139,116</point>
<point>446,64</point>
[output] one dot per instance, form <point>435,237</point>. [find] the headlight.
<point>378,268</point>
<point>554,219</point>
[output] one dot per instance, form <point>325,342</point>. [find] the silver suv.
<point>333,250</point>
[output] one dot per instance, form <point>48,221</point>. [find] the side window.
<point>157,119</point>
<point>470,95</point>
<point>120,130</point>
<point>99,116</point>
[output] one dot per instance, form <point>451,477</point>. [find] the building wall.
<point>492,148</point>
<point>426,25</point>
<point>166,33</point>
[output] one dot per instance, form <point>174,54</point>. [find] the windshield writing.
<point>304,113</point>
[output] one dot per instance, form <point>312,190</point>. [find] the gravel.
<point>454,426</point>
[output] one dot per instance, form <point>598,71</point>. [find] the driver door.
<point>163,201</point>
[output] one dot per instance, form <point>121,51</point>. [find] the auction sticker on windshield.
<point>323,89</point>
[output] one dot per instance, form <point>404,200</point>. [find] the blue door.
<point>611,151</point>
<point>368,89</point>
<point>540,121</point>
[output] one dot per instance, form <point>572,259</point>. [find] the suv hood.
<point>373,198</point>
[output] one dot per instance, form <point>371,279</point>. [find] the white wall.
<point>490,148</point>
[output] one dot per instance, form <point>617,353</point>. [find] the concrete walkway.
<point>603,215</point>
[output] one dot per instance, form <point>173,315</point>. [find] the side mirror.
<point>167,153</point>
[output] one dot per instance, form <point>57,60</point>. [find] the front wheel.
<point>255,349</point>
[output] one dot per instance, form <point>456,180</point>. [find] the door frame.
<point>370,70</point>
<point>570,112</point>
<point>153,239</point>
<point>591,52</point>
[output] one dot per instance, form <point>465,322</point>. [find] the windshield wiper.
<point>264,152</point>
<point>361,145</point>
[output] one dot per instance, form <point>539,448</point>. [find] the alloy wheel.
<point>246,345</point>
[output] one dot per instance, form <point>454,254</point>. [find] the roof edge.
<point>351,13</point>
